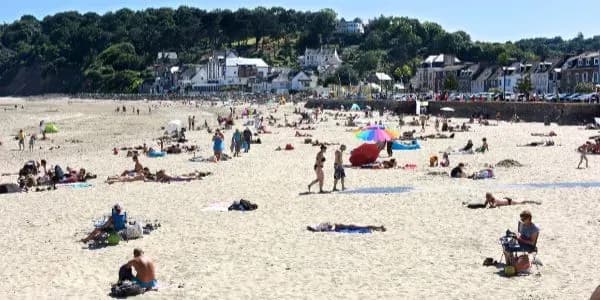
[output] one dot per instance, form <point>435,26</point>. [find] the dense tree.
<point>70,46</point>
<point>524,86</point>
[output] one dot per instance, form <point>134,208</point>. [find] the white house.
<point>241,70</point>
<point>322,59</point>
<point>170,56</point>
<point>303,82</point>
<point>350,27</point>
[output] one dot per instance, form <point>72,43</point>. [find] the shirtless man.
<point>338,166</point>
<point>137,169</point>
<point>493,202</point>
<point>144,268</point>
<point>320,159</point>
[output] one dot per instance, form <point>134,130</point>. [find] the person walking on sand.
<point>584,150</point>
<point>320,159</point>
<point>193,123</point>
<point>247,137</point>
<point>338,166</point>
<point>218,144</point>
<point>236,142</point>
<point>31,142</point>
<point>21,138</point>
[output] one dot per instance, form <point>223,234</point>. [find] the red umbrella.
<point>364,154</point>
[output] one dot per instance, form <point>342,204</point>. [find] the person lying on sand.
<point>131,177</point>
<point>506,201</point>
<point>298,134</point>
<point>550,134</point>
<point>535,144</point>
<point>145,270</point>
<point>328,227</point>
<point>162,176</point>
<point>386,164</point>
<point>116,222</point>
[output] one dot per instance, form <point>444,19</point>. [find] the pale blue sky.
<point>498,20</point>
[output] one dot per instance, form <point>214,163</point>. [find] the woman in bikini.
<point>493,202</point>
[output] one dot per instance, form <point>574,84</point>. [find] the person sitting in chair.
<point>526,238</point>
<point>116,222</point>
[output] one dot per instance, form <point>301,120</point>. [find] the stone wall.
<point>563,113</point>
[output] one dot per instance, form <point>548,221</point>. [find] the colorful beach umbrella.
<point>376,134</point>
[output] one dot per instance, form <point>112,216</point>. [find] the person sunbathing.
<point>298,134</point>
<point>506,201</point>
<point>116,222</point>
<point>468,146</point>
<point>131,177</point>
<point>138,168</point>
<point>328,227</point>
<point>162,176</point>
<point>386,164</point>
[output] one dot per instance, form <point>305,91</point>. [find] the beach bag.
<point>126,289</point>
<point>113,239</point>
<point>134,231</point>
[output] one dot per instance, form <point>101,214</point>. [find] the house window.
<point>576,77</point>
<point>584,77</point>
<point>595,77</point>
<point>596,61</point>
<point>580,62</point>
<point>587,62</point>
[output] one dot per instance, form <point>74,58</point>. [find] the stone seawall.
<point>562,113</point>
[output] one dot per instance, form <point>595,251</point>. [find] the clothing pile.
<point>243,205</point>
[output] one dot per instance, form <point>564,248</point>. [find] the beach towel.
<point>379,190</point>
<point>156,154</point>
<point>404,147</point>
<point>484,174</point>
<point>220,206</point>
<point>354,231</point>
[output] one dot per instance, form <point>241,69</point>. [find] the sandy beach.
<point>433,247</point>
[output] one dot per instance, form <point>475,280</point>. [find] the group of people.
<point>141,173</point>
<point>35,174</point>
<point>239,140</point>
<point>339,173</point>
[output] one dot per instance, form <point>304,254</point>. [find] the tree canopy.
<point>90,47</point>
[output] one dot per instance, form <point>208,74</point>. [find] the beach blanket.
<point>156,154</point>
<point>404,147</point>
<point>354,231</point>
<point>553,185</point>
<point>484,174</point>
<point>219,206</point>
<point>380,190</point>
<point>76,185</point>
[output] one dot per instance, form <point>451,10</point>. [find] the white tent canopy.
<point>174,126</point>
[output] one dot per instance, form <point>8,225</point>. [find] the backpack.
<point>126,289</point>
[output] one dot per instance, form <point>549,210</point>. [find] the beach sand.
<point>434,246</point>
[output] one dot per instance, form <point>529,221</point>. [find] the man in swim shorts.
<point>145,271</point>
<point>338,166</point>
